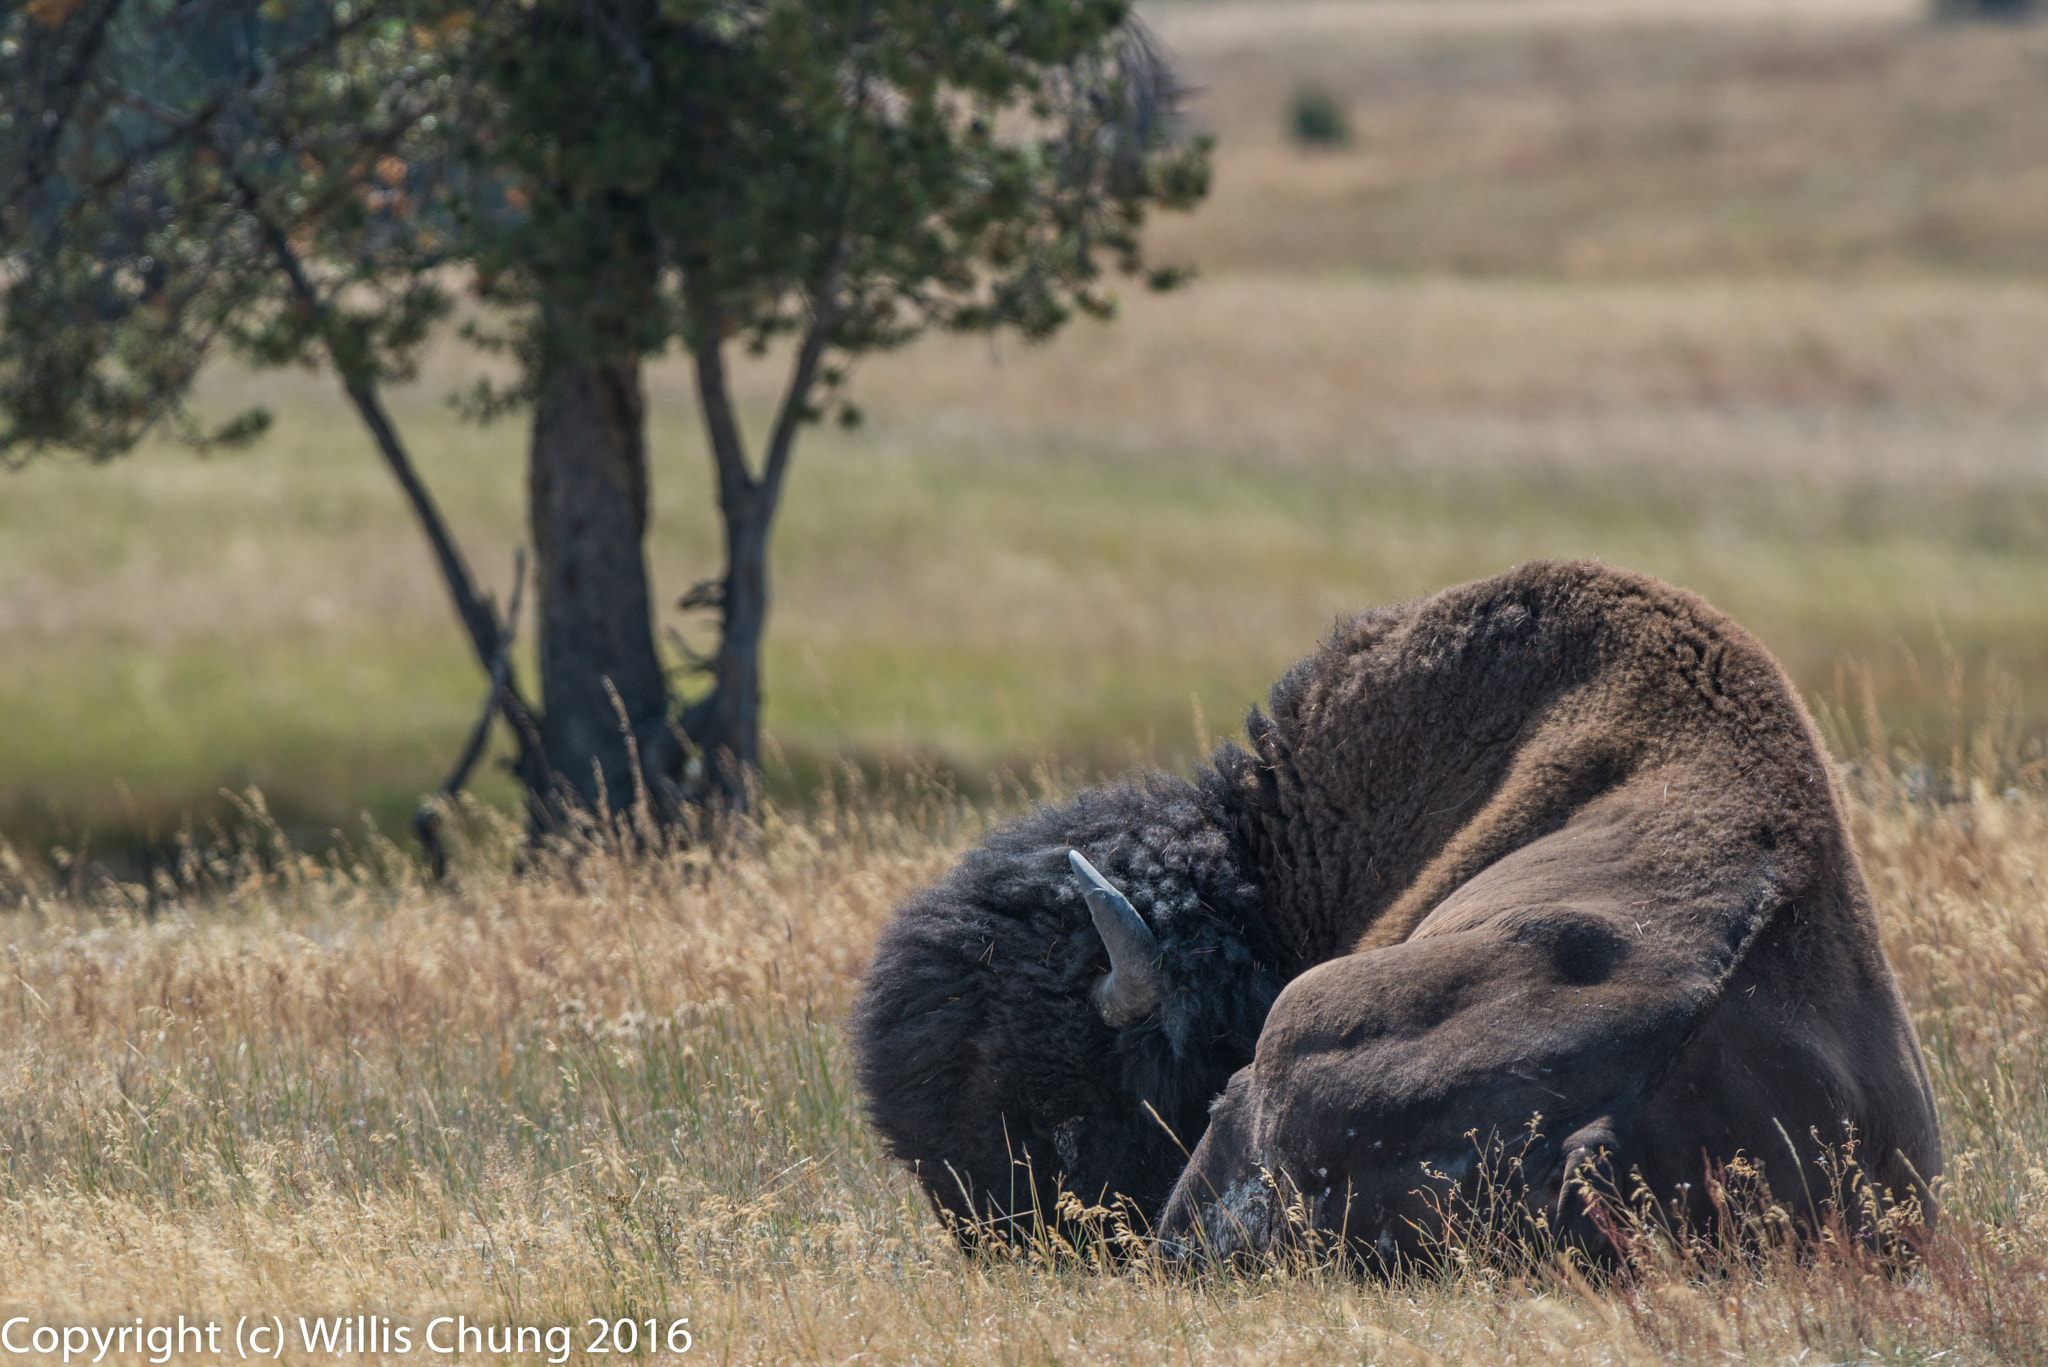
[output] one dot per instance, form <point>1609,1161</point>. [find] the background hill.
<point>1750,295</point>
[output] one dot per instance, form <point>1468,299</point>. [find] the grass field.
<point>623,1093</point>
<point>1749,293</point>
<point>1748,296</point>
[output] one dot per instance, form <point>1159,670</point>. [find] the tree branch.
<point>44,134</point>
<point>728,446</point>
<point>803,376</point>
<point>501,672</point>
<point>426,821</point>
<point>486,634</point>
<point>200,121</point>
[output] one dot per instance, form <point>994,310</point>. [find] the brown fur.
<point>1558,843</point>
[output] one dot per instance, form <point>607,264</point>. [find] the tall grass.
<point>617,1087</point>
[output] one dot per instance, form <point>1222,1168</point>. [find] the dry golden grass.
<point>1736,291</point>
<point>621,1090</point>
<point>1609,138</point>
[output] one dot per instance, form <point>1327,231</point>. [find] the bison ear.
<point>1130,990</point>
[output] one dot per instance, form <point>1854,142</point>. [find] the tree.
<point>182,176</point>
<point>305,184</point>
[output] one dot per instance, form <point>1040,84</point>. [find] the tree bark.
<point>726,723</point>
<point>587,488</point>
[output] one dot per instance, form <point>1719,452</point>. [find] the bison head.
<point>1030,1027</point>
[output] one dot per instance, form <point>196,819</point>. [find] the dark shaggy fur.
<point>1562,841</point>
<point>985,1066</point>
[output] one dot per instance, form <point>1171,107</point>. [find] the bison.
<point>1548,865</point>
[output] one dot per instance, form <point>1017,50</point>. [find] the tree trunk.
<point>726,723</point>
<point>587,488</point>
<point>728,728</point>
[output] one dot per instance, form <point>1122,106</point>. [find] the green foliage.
<point>302,183</point>
<point>169,156</point>
<point>709,170</point>
<point>1315,119</point>
<point>290,180</point>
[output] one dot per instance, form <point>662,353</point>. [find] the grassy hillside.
<point>1748,296</point>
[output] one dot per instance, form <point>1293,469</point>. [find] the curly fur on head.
<point>986,1066</point>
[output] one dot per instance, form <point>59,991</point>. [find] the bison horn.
<point>1130,989</point>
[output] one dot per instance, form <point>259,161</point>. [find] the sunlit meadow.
<point>1752,295</point>
<point>1749,295</point>
<point>619,1090</point>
